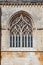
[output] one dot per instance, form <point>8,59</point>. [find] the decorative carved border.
<point>21,2</point>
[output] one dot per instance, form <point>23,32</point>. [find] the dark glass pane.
<point>10,41</point>
<point>31,42</point>
<point>28,40</point>
<point>19,41</point>
<point>16,41</point>
<point>25,41</point>
<point>13,42</point>
<point>22,41</point>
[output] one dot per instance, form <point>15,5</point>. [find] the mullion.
<point>16,41</point>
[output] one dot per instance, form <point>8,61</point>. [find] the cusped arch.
<point>21,27</point>
<point>23,16</point>
<point>17,14</point>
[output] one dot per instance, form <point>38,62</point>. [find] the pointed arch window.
<point>21,31</point>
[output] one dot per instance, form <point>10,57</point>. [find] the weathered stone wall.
<point>37,16</point>
<point>22,58</point>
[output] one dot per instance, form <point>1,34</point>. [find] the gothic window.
<point>21,30</point>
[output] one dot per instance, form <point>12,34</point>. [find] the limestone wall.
<point>22,58</point>
<point>37,16</point>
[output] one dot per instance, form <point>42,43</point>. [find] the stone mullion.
<point>24,40</point>
<point>30,40</point>
<point>27,40</point>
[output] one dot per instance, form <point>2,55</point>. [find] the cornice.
<point>29,2</point>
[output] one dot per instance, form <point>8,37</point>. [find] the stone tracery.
<point>21,26</point>
<point>21,23</point>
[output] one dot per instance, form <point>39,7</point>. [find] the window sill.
<point>21,49</point>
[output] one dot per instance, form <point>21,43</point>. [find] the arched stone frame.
<point>17,17</point>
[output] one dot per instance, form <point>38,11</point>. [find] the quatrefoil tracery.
<point>21,24</point>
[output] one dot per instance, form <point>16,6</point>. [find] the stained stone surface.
<point>37,16</point>
<point>22,0</point>
<point>21,58</point>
